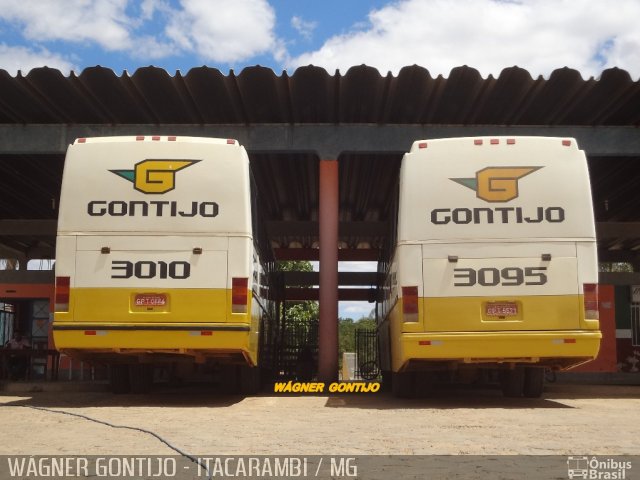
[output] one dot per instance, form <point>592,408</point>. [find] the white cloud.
<point>14,58</point>
<point>539,35</point>
<point>150,48</point>
<point>149,7</point>
<point>354,310</point>
<point>303,27</point>
<point>215,30</point>
<point>280,52</point>
<point>222,31</point>
<point>104,22</point>
<point>358,266</point>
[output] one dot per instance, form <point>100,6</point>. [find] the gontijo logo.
<point>496,184</point>
<point>154,176</point>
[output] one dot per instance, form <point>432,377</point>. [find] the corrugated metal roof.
<point>311,95</point>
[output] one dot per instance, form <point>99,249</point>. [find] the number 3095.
<point>508,276</point>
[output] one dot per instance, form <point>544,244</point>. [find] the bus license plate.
<point>151,300</point>
<point>502,309</point>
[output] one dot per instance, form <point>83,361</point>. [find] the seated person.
<point>18,364</point>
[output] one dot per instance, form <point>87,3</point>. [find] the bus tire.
<point>403,384</point>
<point>386,381</point>
<point>533,382</point>
<point>249,380</point>
<point>141,377</point>
<point>513,382</point>
<point>424,384</point>
<point>229,381</point>
<point>119,379</point>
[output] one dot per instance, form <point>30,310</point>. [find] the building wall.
<point>628,356</point>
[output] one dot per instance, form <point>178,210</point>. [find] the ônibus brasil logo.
<point>496,184</point>
<point>154,176</point>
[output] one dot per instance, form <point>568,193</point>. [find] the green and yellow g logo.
<point>496,184</point>
<point>154,176</point>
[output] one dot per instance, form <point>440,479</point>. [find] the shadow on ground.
<point>198,396</point>
<point>195,396</point>
<point>453,397</point>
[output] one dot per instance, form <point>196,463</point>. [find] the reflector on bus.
<point>62,294</point>
<point>239,294</point>
<point>591,301</point>
<point>410,304</point>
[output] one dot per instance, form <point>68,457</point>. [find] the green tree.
<point>301,316</point>
<point>302,313</point>
<point>346,336</point>
<point>615,267</point>
<point>347,332</point>
<point>294,266</point>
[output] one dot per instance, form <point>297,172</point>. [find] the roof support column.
<point>328,223</point>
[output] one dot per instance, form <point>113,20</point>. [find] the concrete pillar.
<point>328,326</point>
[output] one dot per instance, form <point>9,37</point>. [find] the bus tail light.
<point>591,301</point>
<point>63,285</point>
<point>410,304</point>
<point>239,294</point>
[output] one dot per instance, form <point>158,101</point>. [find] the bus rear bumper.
<point>557,349</point>
<point>197,340</point>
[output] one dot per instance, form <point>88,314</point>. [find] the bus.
<point>492,270</point>
<point>161,259</point>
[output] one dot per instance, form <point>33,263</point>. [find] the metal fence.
<point>635,324</point>
<point>297,350</point>
<point>367,354</point>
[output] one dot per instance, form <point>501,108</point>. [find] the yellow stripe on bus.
<point>183,305</point>
<point>540,312</point>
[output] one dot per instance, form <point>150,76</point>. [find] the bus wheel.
<point>403,384</point>
<point>533,382</point>
<point>141,377</point>
<point>424,384</point>
<point>513,382</point>
<point>229,383</point>
<point>386,381</point>
<point>249,380</point>
<point>119,379</point>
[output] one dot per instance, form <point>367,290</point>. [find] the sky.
<point>177,35</point>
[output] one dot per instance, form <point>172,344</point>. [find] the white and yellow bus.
<point>158,258</point>
<point>493,264</point>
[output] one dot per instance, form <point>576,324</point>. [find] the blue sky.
<point>539,35</point>
<point>296,26</point>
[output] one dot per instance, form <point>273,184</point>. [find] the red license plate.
<point>151,300</point>
<point>501,310</point>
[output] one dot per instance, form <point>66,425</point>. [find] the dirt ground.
<point>570,419</point>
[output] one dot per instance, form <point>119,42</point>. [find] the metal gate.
<point>7,315</point>
<point>635,324</point>
<point>289,346</point>
<point>297,351</point>
<point>367,366</point>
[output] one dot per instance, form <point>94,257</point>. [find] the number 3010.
<point>508,276</point>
